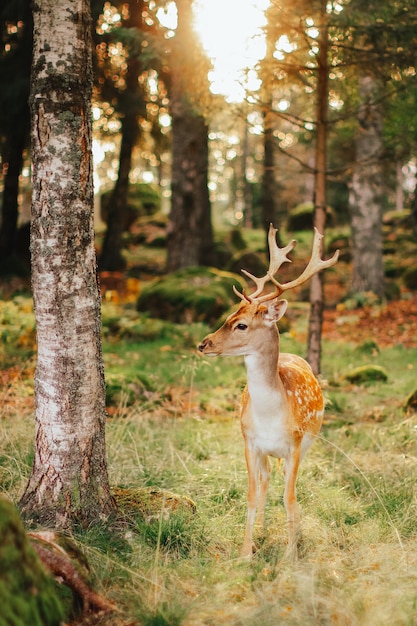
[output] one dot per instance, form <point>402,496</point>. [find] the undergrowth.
<point>180,432</point>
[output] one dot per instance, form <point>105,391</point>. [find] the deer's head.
<point>254,322</point>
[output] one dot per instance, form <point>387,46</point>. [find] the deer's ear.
<point>275,310</point>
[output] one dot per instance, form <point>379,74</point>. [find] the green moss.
<point>366,374</point>
<point>27,594</point>
<point>149,502</point>
<point>66,116</point>
<point>368,347</point>
<point>410,278</point>
<point>121,389</point>
<point>143,200</point>
<point>194,294</point>
<point>301,217</point>
<point>127,325</point>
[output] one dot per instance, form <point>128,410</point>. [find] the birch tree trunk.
<point>69,480</point>
<point>365,197</point>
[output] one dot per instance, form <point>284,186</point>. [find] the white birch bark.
<point>69,476</point>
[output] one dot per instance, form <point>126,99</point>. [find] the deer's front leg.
<point>258,479</point>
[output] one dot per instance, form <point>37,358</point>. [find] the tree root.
<point>57,561</point>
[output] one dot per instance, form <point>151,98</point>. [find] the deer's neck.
<point>262,372</point>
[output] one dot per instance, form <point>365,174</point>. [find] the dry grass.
<point>359,509</point>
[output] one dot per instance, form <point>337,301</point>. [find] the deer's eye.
<point>242,326</point>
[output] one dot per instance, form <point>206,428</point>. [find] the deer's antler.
<point>277,257</point>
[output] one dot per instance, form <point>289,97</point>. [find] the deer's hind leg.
<point>264,476</point>
<point>290,499</point>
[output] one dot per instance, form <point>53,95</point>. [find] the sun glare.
<point>231,33</point>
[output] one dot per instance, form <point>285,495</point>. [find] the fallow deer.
<point>282,403</point>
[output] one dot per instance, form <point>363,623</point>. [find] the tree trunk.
<point>269,209</point>
<point>17,140</point>
<point>399,188</point>
<point>190,235</point>
<point>245,184</point>
<point>316,285</point>
<point>365,198</point>
<point>268,179</point>
<point>15,68</point>
<point>69,480</point>
<point>189,230</point>
<point>111,258</point>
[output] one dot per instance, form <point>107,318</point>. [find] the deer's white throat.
<point>264,384</point>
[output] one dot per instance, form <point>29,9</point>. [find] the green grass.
<point>356,491</point>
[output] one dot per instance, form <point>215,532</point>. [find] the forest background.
<point>187,178</point>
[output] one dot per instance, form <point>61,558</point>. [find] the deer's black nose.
<point>203,345</point>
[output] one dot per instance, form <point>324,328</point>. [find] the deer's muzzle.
<point>205,344</point>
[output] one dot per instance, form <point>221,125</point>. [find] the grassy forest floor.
<point>173,427</point>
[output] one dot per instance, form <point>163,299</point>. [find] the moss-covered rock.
<point>367,374</point>
<point>252,262</point>
<point>410,404</point>
<point>143,199</point>
<point>369,347</point>
<point>121,390</point>
<point>395,218</point>
<point>198,294</point>
<point>151,502</point>
<point>410,278</point>
<point>301,217</point>
<point>28,595</point>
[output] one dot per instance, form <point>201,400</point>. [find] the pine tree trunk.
<point>268,180</point>
<point>245,184</point>
<point>111,258</point>
<point>17,137</point>
<point>316,285</point>
<point>15,73</point>
<point>69,480</point>
<point>189,230</point>
<point>269,187</point>
<point>129,103</point>
<point>190,235</point>
<point>365,198</point>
